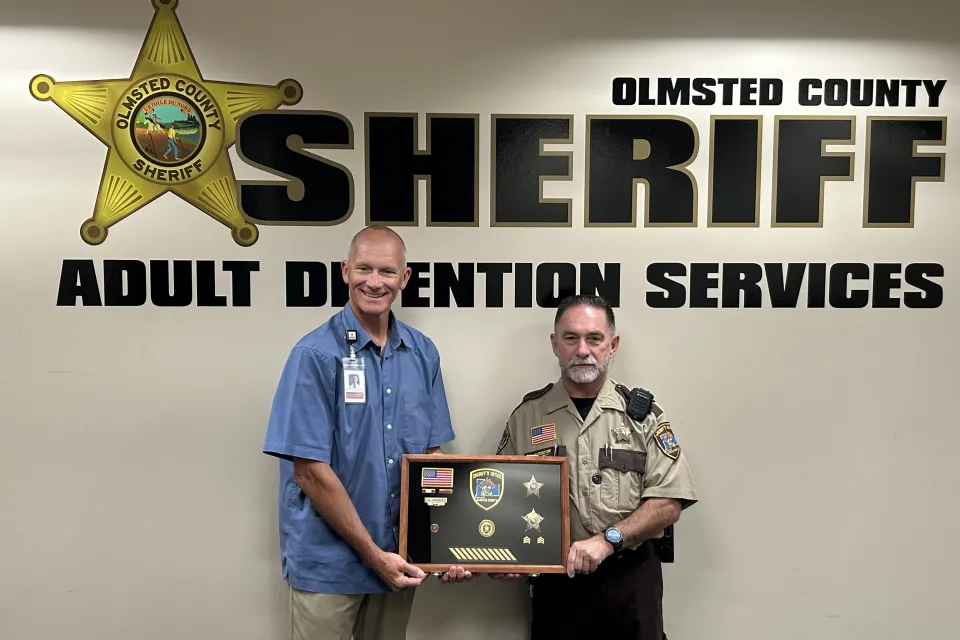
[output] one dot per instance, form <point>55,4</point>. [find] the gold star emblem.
<point>167,129</point>
<point>622,433</point>
<point>533,520</point>
<point>487,528</point>
<point>533,487</point>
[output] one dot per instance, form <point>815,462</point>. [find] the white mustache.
<point>575,361</point>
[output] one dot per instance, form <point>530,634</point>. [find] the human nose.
<point>374,280</point>
<point>583,350</point>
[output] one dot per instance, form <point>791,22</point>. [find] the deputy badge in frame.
<point>533,487</point>
<point>486,487</point>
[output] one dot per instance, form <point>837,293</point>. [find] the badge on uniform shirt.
<point>543,433</point>
<point>666,441</point>
<point>622,433</point>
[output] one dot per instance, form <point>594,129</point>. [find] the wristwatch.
<point>614,537</point>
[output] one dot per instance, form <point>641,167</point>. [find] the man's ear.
<point>406,278</point>
<point>614,344</point>
<point>344,270</point>
<point>553,344</point>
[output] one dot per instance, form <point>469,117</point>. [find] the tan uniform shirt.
<point>643,461</point>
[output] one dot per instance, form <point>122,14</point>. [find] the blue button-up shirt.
<point>405,412</point>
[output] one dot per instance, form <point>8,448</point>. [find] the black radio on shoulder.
<point>639,401</point>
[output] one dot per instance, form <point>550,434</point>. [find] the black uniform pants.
<point>622,599</point>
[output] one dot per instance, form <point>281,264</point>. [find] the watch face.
<point>613,535</point>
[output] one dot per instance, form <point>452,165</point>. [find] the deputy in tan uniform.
<point>629,480</point>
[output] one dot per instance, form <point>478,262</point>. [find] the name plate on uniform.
<point>488,514</point>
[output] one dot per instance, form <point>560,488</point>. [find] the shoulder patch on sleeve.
<point>504,439</point>
<point>667,441</point>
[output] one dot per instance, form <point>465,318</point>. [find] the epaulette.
<point>539,393</point>
<point>639,402</point>
<point>533,395</point>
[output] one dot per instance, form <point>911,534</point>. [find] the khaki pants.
<point>327,616</point>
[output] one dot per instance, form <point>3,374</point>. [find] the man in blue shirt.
<point>344,413</point>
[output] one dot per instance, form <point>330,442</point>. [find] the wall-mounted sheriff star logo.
<point>533,487</point>
<point>166,128</point>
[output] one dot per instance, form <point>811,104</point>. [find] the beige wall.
<point>134,500</point>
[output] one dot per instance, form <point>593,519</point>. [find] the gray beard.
<point>586,376</point>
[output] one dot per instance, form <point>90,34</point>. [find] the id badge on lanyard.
<point>354,383</point>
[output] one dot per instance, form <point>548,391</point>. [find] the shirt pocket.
<point>621,478</point>
<point>417,421</point>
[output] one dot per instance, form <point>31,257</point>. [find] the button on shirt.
<point>405,412</point>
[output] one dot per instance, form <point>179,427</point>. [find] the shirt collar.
<point>607,398</point>
<point>394,330</point>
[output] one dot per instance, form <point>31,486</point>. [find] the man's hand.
<point>504,577</point>
<point>456,574</point>
<point>586,555</point>
<point>396,571</point>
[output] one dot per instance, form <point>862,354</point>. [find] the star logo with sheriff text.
<point>167,129</point>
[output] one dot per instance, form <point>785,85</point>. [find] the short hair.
<point>586,300</point>
<point>376,227</point>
